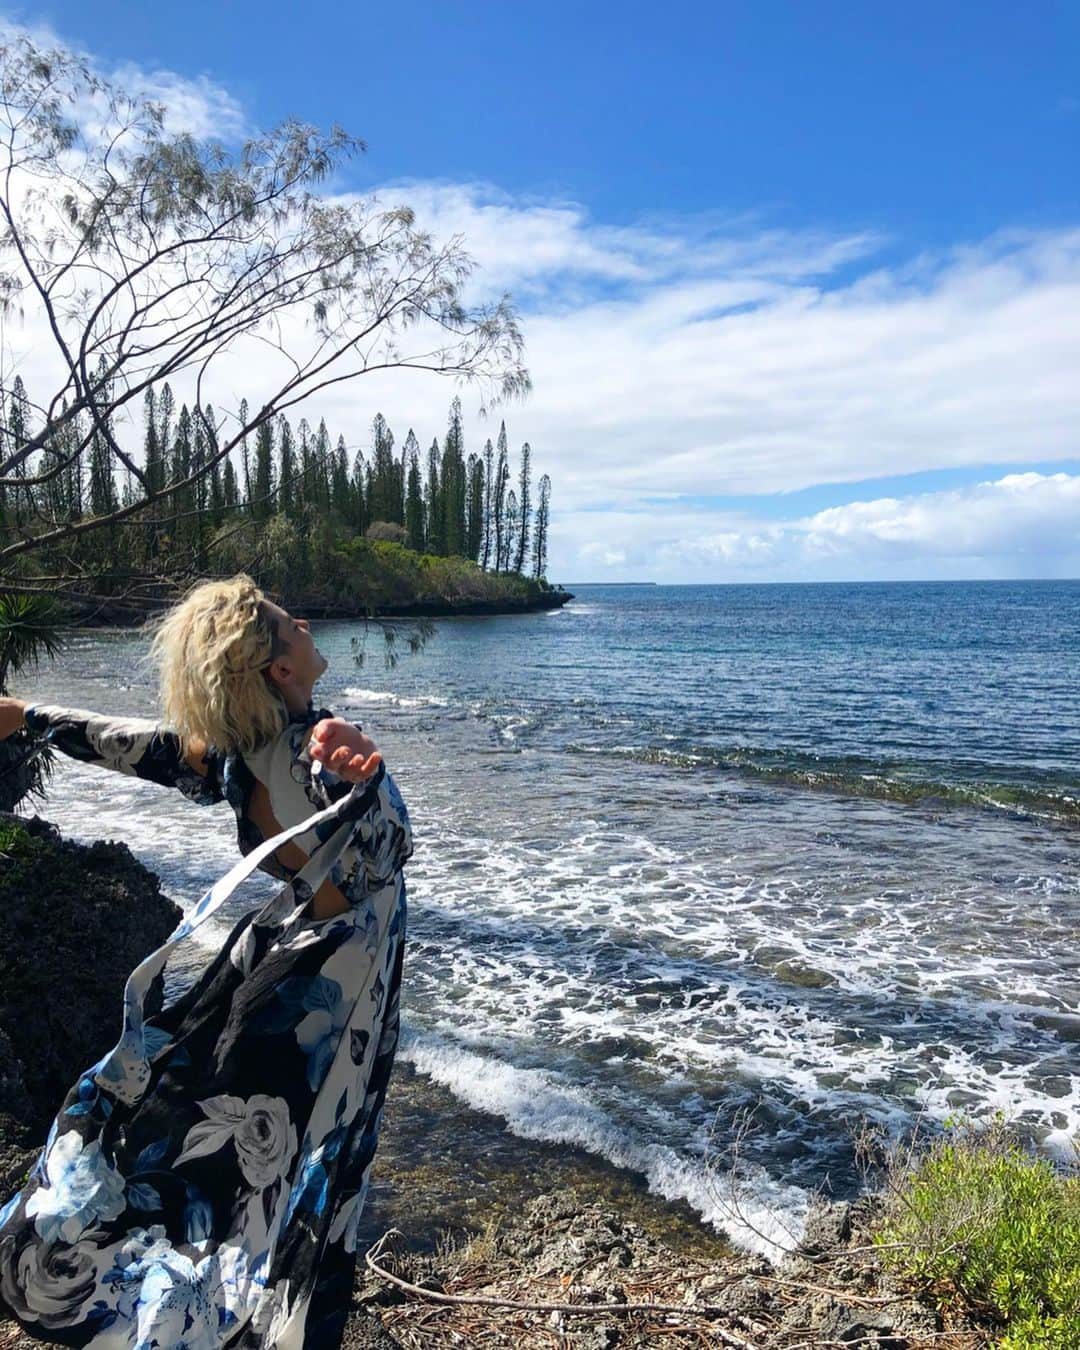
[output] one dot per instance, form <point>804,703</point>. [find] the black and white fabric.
<point>202,1184</point>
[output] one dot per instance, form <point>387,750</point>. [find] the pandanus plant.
<point>30,629</point>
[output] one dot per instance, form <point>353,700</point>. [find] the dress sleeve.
<point>133,746</point>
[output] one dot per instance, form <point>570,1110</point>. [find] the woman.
<point>202,1183</point>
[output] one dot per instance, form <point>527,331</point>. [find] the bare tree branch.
<point>147,257</point>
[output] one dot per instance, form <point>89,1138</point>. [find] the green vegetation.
<point>15,842</point>
<point>979,1219</point>
<point>323,568</point>
<point>29,630</point>
<point>286,509</point>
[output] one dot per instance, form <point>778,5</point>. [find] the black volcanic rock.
<point>75,920</point>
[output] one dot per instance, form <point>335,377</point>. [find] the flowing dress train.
<point>202,1184</point>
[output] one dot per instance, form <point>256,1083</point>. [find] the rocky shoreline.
<point>103,612</point>
<point>564,1250</point>
<point>74,921</point>
<point>475,1221</point>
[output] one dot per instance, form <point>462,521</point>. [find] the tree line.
<point>445,501</point>
<point>139,256</point>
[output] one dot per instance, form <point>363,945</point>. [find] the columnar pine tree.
<point>262,488</point>
<point>75,491</point>
<point>103,497</point>
<point>18,428</point>
<point>215,496</point>
<point>361,514</point>
<point>200,457</point>
<point>229,487</point>
<point>434,532</point>
<point>286,495</point>
<point>382,481</point>
<point>498,498</point>
<point>55,456</point>
<point>452,482</point>
<point>179,468</point>
<point>414,499</point>
<point>340,489</point>
<point>541,532</point>
<point>304,485</point>
<point>245,460</point>
<point>153,461</point>
<point>524,509</point>
<point>153,465</point>
<point>321,496</point>
<point>166,411</point>
<point>489,524</point>
<point>474,507</point>
<point>510,530</point>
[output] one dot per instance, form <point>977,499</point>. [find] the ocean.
<point>708,878</point>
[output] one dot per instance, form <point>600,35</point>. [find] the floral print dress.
<point>202,1184</point>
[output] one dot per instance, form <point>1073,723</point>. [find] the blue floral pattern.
<point>202,1183</point>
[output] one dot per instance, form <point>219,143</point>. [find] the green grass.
<point>977,1217</point>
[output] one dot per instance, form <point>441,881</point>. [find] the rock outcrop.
<point>75,920</point>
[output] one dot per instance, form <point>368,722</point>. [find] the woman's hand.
<point>12,716</point>
<point>345,749</point>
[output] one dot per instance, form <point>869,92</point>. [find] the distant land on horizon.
<point>870,581</point>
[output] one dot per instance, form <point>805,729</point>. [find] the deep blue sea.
<point>708,876</point>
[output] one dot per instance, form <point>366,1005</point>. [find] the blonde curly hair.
<point>212,652</point>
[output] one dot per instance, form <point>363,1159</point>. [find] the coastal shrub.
<point>316,563</point>
<point>31,630</point>
<point>386,529</point>
<point>14,841</point>
<point>978,1217</point>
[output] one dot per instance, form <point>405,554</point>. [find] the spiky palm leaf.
<point>30,628</point>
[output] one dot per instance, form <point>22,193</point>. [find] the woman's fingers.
<point>335,742</point>
<point>345,749</point>
<point>359,768</point>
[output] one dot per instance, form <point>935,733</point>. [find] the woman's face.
<point>304,660</point>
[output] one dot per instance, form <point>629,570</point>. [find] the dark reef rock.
<point>75,920</point>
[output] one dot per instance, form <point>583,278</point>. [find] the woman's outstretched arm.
<point>133,746</point>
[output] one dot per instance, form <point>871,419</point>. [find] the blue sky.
<point>774,260</point>
<point>932,122</point>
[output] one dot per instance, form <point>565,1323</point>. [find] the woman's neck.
<point>297,699</point>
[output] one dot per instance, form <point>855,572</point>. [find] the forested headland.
<point>391,527</point>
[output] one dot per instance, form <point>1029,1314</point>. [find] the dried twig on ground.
<point>578,1309</point>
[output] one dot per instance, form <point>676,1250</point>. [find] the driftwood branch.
<point>577,1309</point>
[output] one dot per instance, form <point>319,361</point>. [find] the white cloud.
<point>720,356</point>
<point>678,359</point>
<point>1022,524</point>
<point>198,104</point>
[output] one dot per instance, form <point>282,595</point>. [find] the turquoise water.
<point>689,856</point>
